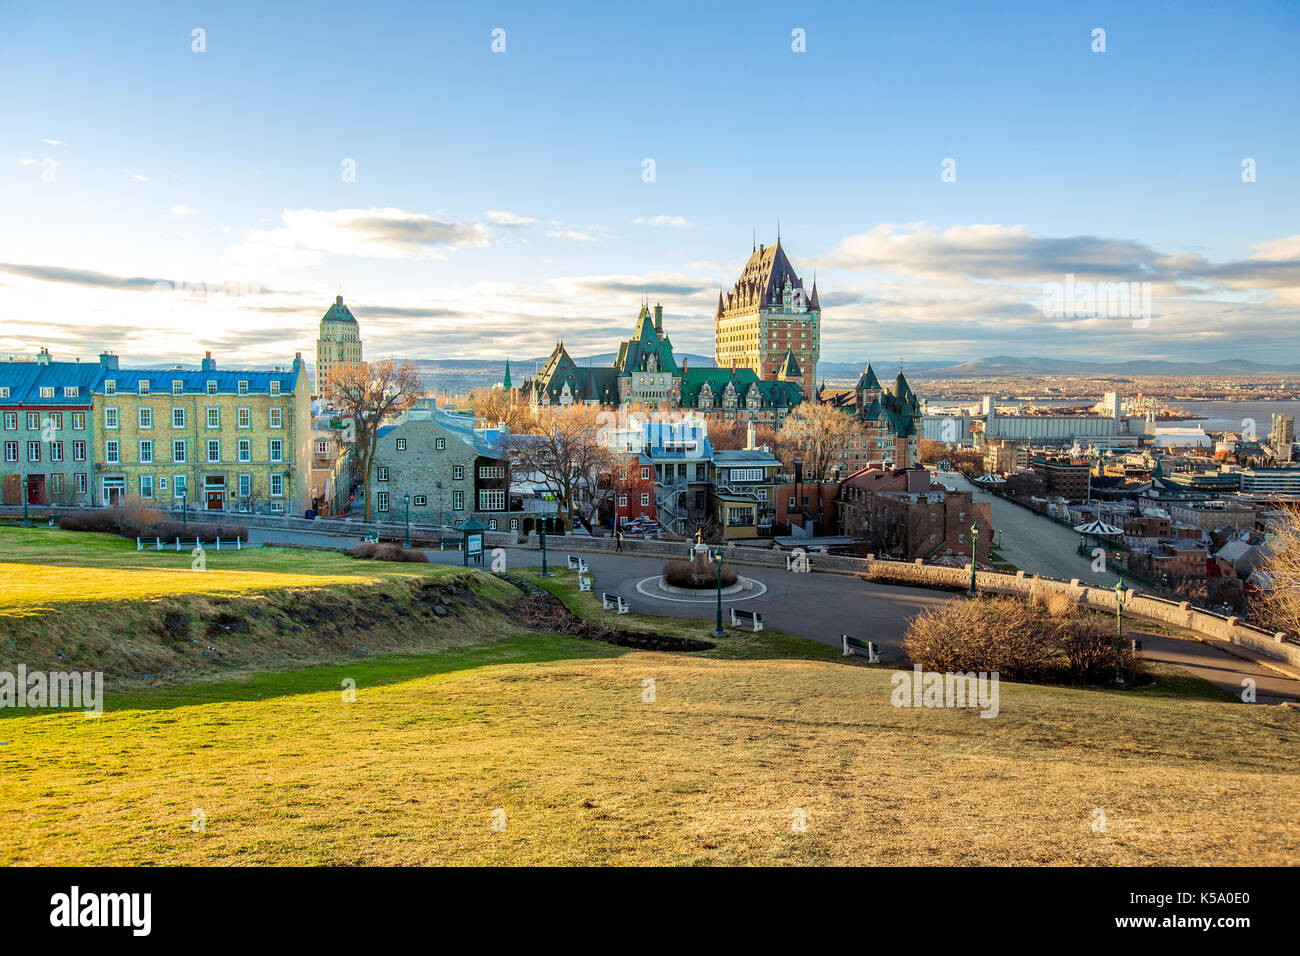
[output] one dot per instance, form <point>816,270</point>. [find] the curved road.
<point>822,606</point>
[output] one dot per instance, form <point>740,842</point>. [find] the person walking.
<point>618,541</point>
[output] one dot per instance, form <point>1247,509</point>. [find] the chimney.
<point>750,436</point>
<point>108,360</point>
<point>209,364</point>
<point>659,319</point>
<point>684,361</point>
<point>297,361</point>
<point>43,357</point>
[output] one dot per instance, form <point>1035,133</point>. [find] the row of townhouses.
<point>84,433</point>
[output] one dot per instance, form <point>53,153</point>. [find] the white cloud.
<point>137,176</point>
<point>499,217</point>
<point>180,212</point>
<point>52,142</point>
<point>369,233</point>
<point>676,222</point>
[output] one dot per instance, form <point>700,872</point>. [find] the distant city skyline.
<point>475,204</point>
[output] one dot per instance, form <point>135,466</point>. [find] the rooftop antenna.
<point>754,245</point>
<point>778,230</point>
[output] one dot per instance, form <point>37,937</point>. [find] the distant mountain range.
<point>458,375</point>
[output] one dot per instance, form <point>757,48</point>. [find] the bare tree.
<point>817,433</point>
<point>366,394</point>
<point>1279,605</point>
<point>501,406</point>
<point>564,454</point>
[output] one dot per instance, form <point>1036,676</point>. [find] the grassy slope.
<point>554,732</point>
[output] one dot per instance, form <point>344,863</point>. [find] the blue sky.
<point>499,201</point>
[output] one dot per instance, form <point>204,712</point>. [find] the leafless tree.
<point>366,394</point>
<point>1279,607</point>
<point>817,432</point>
<point>564,454</point>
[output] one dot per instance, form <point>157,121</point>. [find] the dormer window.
<point>110,386</point>
<point>242,387</point>
<point>275,386</point>
<point>178,386</point>
<point>212,387</point>
<point>142,386</point>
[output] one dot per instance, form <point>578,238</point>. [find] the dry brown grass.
<point>712,771</point>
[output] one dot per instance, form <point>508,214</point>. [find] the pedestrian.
<point>618,541</point>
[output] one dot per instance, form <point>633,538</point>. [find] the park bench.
<point>584,583</point>
<point>576,563</point>
<point>868,649</point>
<point>1134,645</point>
<point>751,619</point>
<point>614,603</point>
<point>372,537</point>
<point>443,542</point>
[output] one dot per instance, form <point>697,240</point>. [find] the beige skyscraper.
<point>339,341</point>
<point>768,322</point>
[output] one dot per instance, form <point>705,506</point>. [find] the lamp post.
<point>974,538</point>
<point>407,542</point>
<point>1121,593</point>
<point>717,560</point>
<point>27,522</point>
<point>542,536</point>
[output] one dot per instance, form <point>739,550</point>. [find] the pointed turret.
<point>505,382</point>
<point>814,305</point>
<point>789,370</point>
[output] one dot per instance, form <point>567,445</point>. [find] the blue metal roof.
<point>26,379</point>
<point>195,382</point>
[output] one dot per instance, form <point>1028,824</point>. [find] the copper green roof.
<point>868,380</point>
<point>338,312</point>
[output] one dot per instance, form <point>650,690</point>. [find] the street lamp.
<point>542,536</point>
<point>27,522</point>
<point>1121,594</point>
<point>716,555</point>
<point>974,538</point>
<point>407,542</point>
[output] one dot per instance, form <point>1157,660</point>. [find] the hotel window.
<point>275,386</point>
<point>142,386</point>
<point>242,387</point>
<point>381,473</point>
<point>111,455</point>
<point>245,449</point>
<point>78,421</point>
<point>381,500</point>
<point>212,387</point>
<point>401,444</point>
<point>70,391</point>
<point>277,486</point>
<point>245,486</point>
<point>491,499</point>
<point>178,418</point>
<point>146,417</point>
<point>439,444</point>
<point>56,451</point>
<point>457,472</point>
<point>47,391</point>
<point>214,449</point>
<point>110,387</point>
<point>214,417</point>
<point>79,482</point>
<point>277,449</point>
<point>146,486</point>
<point>178,449</point>
<point>178,387</point>
<point>33,451</point>
<point>458,501</point>
<point>11,421</point>
<point>243,418</point>
<point>11,451</point>
<point>420,501</point>
<point>277,417</point>
<point>33,421</point>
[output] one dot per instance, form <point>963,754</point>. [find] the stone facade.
<point>449,469</point>
<point>220,440</point>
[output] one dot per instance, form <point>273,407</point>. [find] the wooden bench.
<point>751,619</point>
<point>372,537</point>
<point>576,563</point>
<point>868,649</point>
<point>615,603</point>
<point>443,542</point>
<point>584,583</point>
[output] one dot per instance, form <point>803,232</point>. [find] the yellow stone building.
<point>221,440</point>
<point>339,341</point>
<point>767,318</point>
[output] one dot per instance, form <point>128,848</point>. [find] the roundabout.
<point>743,590</point>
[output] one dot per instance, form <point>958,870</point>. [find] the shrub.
<point>388,552</point>
<point>698,572</point>
<point>1036,642</point>
<point>132,521</point>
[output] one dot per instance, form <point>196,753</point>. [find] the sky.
<point>479,180</point>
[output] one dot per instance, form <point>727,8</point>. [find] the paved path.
<point>822,606</point>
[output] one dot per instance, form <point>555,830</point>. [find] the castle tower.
<point>767,314</point>
<point>339,341</point>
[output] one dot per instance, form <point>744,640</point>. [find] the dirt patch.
<point>548,613</point>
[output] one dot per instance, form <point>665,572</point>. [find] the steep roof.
<point>868,380</point>
<point>789,367</point>
<point>338,312</point>
<point>26,379</point>
<point>634,353</point>
<point>766,274</point>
